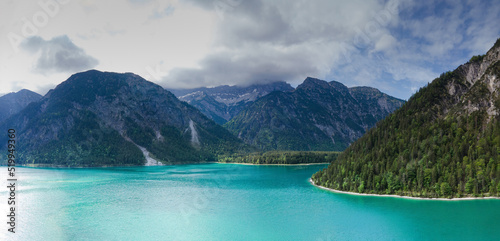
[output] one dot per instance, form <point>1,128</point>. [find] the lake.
<point>226,202</point>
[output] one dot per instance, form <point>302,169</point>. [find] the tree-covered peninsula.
<point>444,142</point>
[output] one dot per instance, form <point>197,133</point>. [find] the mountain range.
<point>444,142</point>
<point>317,115</point>
<point>222,103</point>
<point>108,119</point>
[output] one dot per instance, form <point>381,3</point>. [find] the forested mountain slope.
<point>107,119</point>
<point>316,116</point>
<point>444,142</point>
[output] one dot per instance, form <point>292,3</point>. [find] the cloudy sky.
<point>394,45</point>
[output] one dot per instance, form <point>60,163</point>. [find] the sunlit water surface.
<point>226,202</point>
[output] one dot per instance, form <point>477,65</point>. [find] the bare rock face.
<point>99,118</point>
<point>481,90</point>
<point>317,115</point>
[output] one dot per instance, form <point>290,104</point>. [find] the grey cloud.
<point>287,23</point>
<point>259,67</point>
<point>140,2</point>
<point>167,11</point>
<point>396,45</point>
<point>275,40</point>
<point>58,55</point>
<point>207,5</point>
<point>253,23</point>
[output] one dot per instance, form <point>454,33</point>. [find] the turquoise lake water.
<point>226,202</point>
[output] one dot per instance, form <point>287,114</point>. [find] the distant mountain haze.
<point>14,102</point>
<point>222,103</point>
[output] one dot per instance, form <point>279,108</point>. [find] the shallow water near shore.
<point>226,202</point>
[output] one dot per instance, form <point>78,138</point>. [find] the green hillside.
<point>444,142</point>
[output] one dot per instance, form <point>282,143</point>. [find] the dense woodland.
<point>282,157</point>
<point>428,148</point>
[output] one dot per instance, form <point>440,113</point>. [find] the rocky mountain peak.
<point>313,83</point>
<point>474,85</point>
<point>474,69</point>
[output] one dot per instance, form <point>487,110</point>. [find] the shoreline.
<point>397,196</point>
<point>253,164</point>
<point>103,166</point>
<point>163,164</point>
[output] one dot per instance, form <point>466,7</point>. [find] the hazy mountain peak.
<point>221,103</point>
<point>14,102</point>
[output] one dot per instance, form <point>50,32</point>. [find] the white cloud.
<point>386,42</point>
